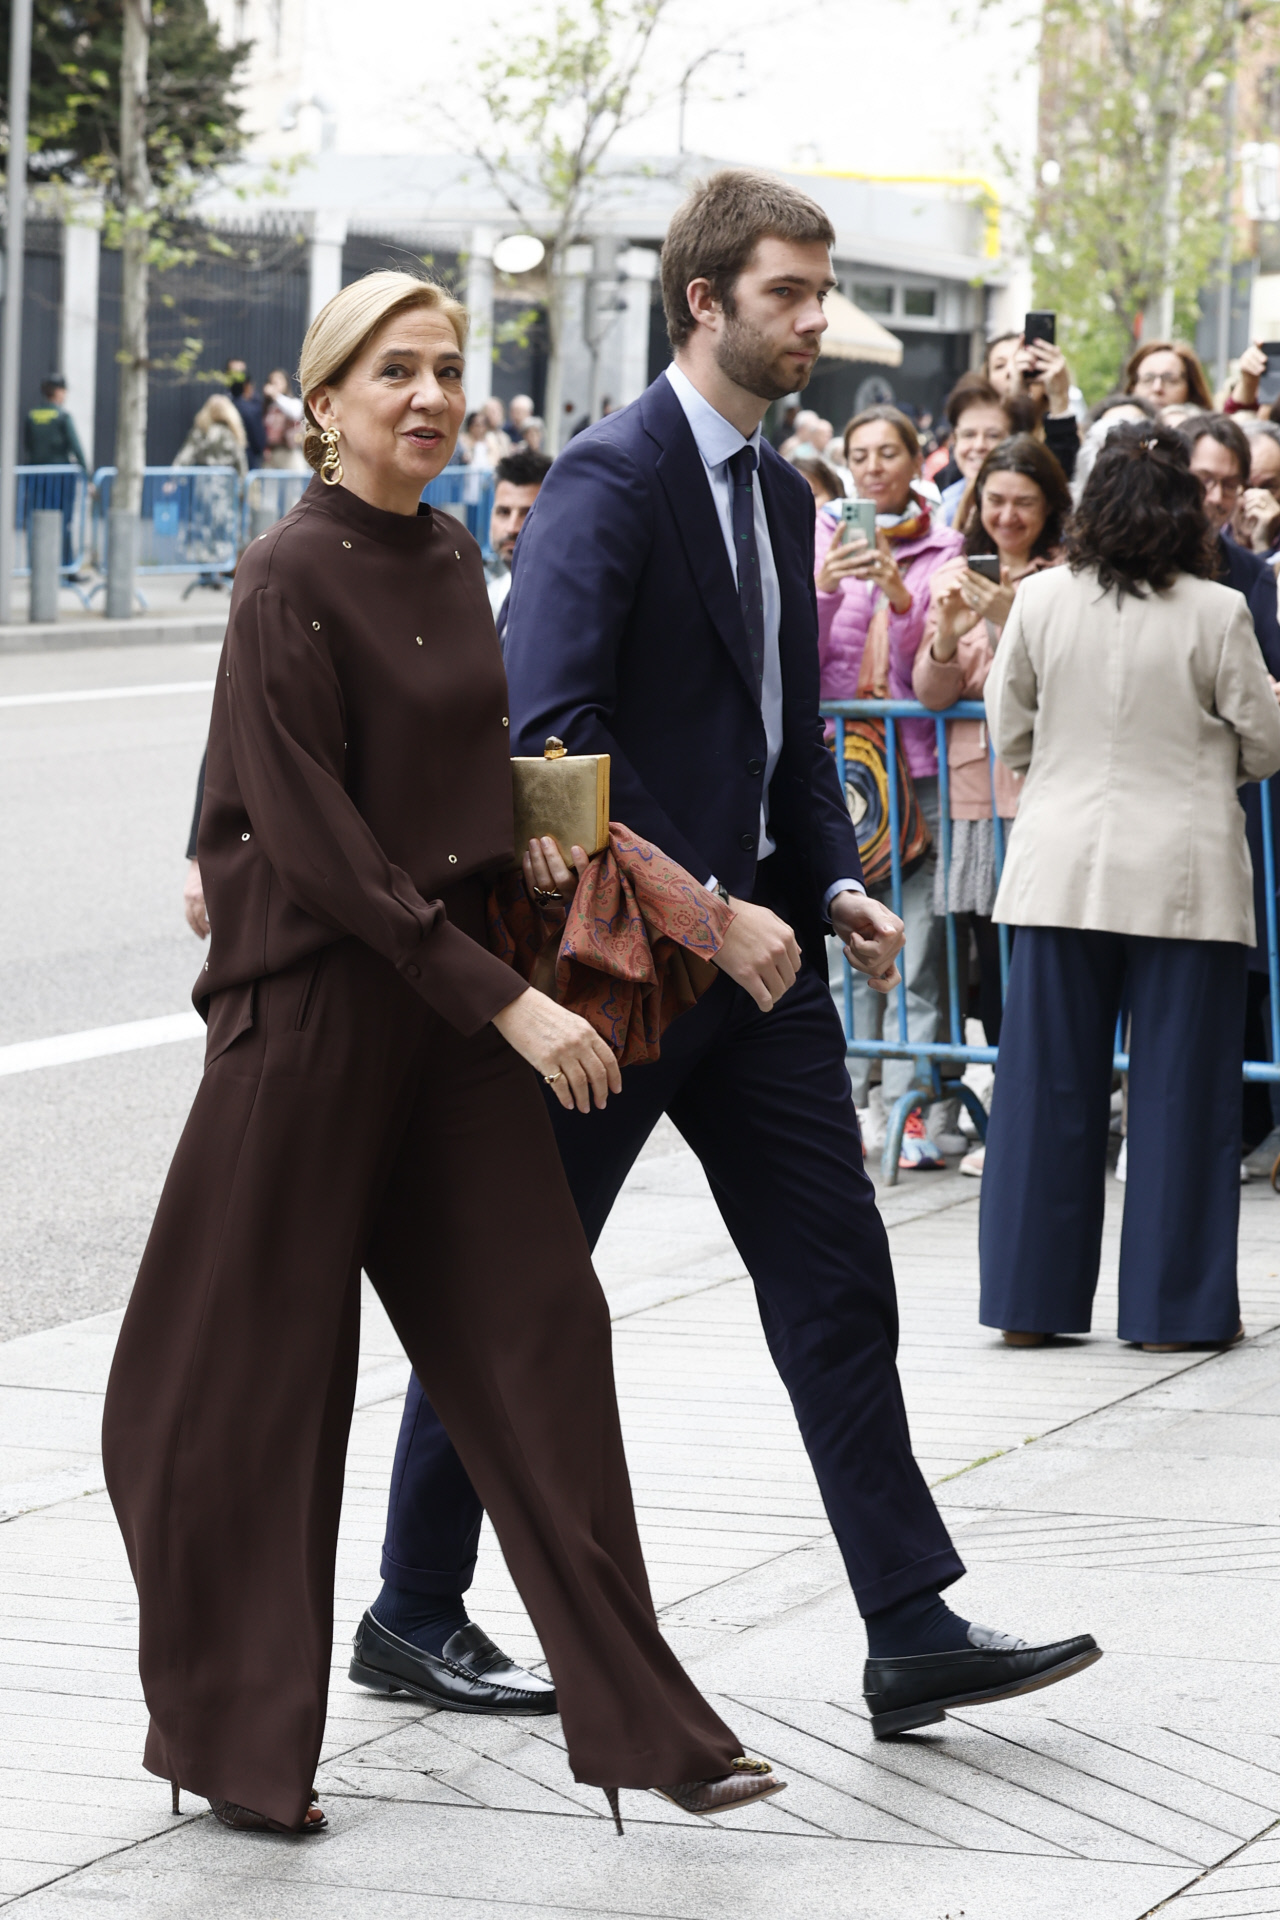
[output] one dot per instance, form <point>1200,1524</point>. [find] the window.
<point>920,302</point>
<point>873,299</point>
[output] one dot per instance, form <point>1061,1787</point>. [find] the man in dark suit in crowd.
<point>662,611</point>
<point>249,407</point>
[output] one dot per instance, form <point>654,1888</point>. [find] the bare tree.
<point>135,195</point>
<point>548,109</point>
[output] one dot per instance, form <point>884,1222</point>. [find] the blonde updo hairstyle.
<point>345,325</point>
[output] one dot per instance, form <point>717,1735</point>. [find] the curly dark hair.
<point>1032,459</point>
<point>523,467</point>
<point>1141,519</point>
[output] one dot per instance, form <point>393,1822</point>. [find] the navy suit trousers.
<point>764,1101</point>
<point>1043,1183</point>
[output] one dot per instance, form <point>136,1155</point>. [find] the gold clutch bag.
<point>562,794</point>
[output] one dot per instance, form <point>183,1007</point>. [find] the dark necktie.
<point>750,594</point>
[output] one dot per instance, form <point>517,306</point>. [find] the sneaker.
<point>942,1124</point>
<point>919,1155</point>
<point>973,1163</point>
<point>873,1122</point>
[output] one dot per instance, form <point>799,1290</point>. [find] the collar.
<point>413,532</point>
<point>717,438</point>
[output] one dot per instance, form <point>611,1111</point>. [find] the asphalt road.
<point>95,805</point>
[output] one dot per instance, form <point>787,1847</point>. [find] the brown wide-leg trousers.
<point>349,1127</point>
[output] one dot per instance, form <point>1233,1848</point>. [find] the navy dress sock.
<point>425,1619</point>
<point>922,1623</point>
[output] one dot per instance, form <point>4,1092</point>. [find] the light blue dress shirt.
<point>717,441</point>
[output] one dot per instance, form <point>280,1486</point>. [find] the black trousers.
<point>1043,1182</point>
<point>764,1100</point>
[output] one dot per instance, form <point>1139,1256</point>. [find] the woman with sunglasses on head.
<point>1129,689</point>
<point>371,1100</point>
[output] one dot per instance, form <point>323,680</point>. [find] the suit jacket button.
<point>413,972</point>
<point>755,768</point>
<point>748,843</point>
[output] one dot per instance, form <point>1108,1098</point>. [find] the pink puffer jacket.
<point>845,615</point>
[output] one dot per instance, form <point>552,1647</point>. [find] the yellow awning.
<point>853,335</point>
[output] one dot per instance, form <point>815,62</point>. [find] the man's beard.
<point>751,362</point>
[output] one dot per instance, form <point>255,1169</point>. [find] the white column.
<point>480,306</point>
<point>78,324</point>
<point>640,266</point>
<point>328,231</point>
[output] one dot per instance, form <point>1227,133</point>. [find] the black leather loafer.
<point>471,1675</point>
<point>918,1689</point>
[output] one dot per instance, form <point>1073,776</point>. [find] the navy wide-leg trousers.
<point>1043,1181</point>
<point>764,1100</point>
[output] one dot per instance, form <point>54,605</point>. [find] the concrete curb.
<point>144,630</point>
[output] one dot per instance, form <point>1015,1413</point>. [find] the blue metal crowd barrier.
<point>197,520</point>
<point>191,521</point>
<point>63,490</point>
<point>930,1055</point>
<point>467,493</point>
<point>270,493</point>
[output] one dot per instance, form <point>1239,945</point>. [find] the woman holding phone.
<point>876,595</point>
<point>1021,502</point>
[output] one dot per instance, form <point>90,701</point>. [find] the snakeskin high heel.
<point>245,1820</point>
<point>750,1780</point>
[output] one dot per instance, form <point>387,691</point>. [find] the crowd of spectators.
<point>913,616</point>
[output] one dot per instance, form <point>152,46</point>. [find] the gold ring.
<point>551,1078</point>
<point>547,893</point>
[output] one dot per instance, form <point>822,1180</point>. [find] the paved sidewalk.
<point>1130,1494</point>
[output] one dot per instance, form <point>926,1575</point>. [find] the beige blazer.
<point>1135,722</point>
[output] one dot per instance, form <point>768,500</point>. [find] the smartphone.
<point>858,516</point>
<point>988,565</point>
<point>1269,385</point>
<point>1040,326</point>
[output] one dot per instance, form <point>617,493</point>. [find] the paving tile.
<point>1102,1800</point>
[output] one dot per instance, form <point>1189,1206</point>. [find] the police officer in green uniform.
<point>50,440</point>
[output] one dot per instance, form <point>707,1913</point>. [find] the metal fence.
<point>929,1056</point>
<point>269,494</point>
<point>191,522</point>
<point>466,493</point>
<point>63,490</point>
<point>198,520</point>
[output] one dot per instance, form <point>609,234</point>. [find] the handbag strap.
<point>873,669</point>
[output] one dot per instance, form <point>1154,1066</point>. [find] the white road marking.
<point>63,1049</point>
<point>105,693</point>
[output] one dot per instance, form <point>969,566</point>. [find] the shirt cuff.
<point>841,886</point>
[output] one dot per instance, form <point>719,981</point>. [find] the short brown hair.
<point>713,235</point>
<point>891,418</point>
<point>1227,432</point>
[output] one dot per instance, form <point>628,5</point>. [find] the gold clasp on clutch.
<point>554,749</point>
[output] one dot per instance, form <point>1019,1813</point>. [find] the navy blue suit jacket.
<point>1250,575</point>
<point>625,636</point>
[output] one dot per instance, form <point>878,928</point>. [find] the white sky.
<point>891,86</point>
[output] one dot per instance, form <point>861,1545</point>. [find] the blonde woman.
<point>371,1100</point>
<point>216,438</point>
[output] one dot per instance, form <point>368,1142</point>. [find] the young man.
<point>663,611</point>
<point>517,479</point>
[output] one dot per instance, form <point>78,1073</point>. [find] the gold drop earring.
<point>331,465</point>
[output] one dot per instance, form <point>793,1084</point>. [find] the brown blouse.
<point>359,757</point>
